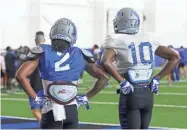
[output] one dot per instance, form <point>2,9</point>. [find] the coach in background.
<point>10,59</point>
<point>36,82</point>
<point>182,70</point>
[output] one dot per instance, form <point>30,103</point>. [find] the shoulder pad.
<point>34,53</point>
<point>37,50</point>
<point>88,56</point>
<point>108,43</point>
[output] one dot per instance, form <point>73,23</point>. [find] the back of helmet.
<point>126,21</point>
<point>63,34</point>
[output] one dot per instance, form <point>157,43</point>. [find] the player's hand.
<point>82,100</point>
<point>126,87</point>
<point>154,85</point>
<point>40,100</point>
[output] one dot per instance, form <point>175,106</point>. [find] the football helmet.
<point>64,29</point>
<point>126,21</point>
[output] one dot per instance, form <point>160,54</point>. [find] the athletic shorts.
<point>71,121</point>
<point>2,74</point>
<point>31,101</point>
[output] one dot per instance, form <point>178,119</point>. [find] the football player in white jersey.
<point>129,58</point>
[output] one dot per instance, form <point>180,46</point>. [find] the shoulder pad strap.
<point>88,56</point>
<point>34,53</point>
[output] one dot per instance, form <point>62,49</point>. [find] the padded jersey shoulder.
<point>34,53</point>
<point>88,56</point>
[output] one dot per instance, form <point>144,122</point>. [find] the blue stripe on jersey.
<point>65,66</point>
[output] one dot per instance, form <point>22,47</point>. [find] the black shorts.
<point>11,74</point>
<point>181,65</point>
<point>71,121</point>
<point>2,74</point>
<point>135,109</point>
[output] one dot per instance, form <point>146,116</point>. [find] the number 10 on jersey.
<point>141,53</point>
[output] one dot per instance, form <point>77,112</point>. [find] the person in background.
<point>97,52</point>
<point>10,59</point>
<point>35,80</point>
<point>182,70</point>
<point>3,69</point>
<point>173,75</point>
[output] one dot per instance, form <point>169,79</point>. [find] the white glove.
<point>126,87</point>
<point>82,100</point>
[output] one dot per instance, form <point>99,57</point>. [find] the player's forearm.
<point>110,68</point>
<point>169,67</point>
<point>98,86</point>
<point>25,84</point>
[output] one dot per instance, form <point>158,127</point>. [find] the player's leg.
<point>2,79</point>
<point>169,80</point>
<point>185,71</point>
<point>146,115</point>
<point>71,121</point>
<point>48,122</point>
<point>122,108</point>
<point>134,119</point>
<point>146,111</point>
<point>128,116</point>
<point>177,73</point>
<point>9,83</point>
<point>181,70</point>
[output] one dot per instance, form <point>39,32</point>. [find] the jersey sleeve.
<point>34,53</point>
<point>88,56</point>
<point>110,43</point>
<point>156,42</point>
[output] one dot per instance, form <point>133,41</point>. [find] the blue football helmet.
<point>126,21</point>
<point>64,29</point>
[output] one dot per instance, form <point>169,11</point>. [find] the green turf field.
<point>170,108</point>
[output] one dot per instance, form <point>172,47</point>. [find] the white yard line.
<point>3,94</point>
<point>172,86</point>
<point>162,81</point>
<point>91,123</point>
<point>177,94</point>
<point>113,92</point>
<point>102,103</point>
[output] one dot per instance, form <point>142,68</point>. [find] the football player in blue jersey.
<point>60,66</point>
<point>129,58</point>
<point>36,82</point>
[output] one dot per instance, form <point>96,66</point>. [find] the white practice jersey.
<point>134,54</point>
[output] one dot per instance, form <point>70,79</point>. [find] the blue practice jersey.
<point>61,66</point>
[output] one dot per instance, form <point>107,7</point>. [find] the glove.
<point>126,87</point>
<point>41,101</point>
<point>82,100</point>
<point>154,85</point>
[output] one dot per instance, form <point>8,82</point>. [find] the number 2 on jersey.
<point>58,64</point>
<point>141,53</point>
